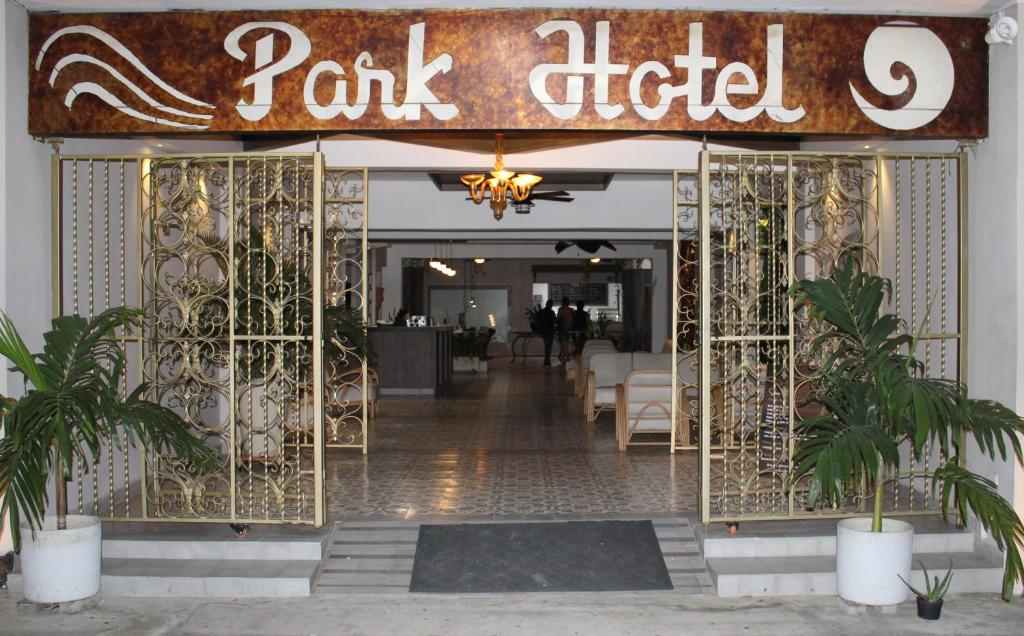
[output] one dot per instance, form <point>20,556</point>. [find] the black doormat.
<point>573,556</point>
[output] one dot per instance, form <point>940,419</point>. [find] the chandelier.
<point>502,183</point>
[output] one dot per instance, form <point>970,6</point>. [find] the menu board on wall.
<point>594,294</point>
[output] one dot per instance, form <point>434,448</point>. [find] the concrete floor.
<point>535,614</point>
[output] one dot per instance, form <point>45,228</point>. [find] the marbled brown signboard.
<point>529,69</point>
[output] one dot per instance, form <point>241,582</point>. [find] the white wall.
<point>410,201</point>
<point>996,315</point>
<point>5,541</point>
<point>24,219</point>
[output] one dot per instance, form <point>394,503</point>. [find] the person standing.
<point>546,329</point>
<point>564,327</point>
<point>580,325</point>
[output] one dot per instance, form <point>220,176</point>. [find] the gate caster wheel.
<point>733,527</point>
<point>241,529</point>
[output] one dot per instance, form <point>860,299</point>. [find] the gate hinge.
<point>55,142</point>
<point>967,144</point>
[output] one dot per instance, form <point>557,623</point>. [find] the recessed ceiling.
<point>882,7</point>
<point>515,141</point>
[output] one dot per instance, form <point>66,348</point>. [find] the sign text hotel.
<point>250,72</point>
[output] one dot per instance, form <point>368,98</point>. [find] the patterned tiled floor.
<point>509,443</point>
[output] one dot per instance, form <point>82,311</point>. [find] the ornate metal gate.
<point>234,258</point>
<point>747,226</point>
<point>347,381</point>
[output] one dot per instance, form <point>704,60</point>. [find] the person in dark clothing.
<point>546,329</point>
<point>580,323</point>
<point>401,319</point>
<point>564,319</point>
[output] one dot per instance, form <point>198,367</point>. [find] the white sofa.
<point>582,364</point>
<point>607,370</point>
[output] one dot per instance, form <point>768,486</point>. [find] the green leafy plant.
<point>72,405</point>
<point>344,330</point>
<point>471,343</point>
<point>932,592</point>
<point>875,399</point>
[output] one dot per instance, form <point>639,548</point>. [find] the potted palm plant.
<point>72,405</point>
<point>878,414</point>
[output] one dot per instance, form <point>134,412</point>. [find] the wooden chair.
<point>607,370</point>
<point>643,406</point>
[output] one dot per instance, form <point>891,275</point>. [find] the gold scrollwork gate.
<point>747,225</point>
<point>350,389</point>
<point>233,258</point>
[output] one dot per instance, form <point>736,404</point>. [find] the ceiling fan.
<point>588,246</point>
<point>523,207</point>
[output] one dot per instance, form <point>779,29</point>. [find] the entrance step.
<point>240,578</point>
<point>376,557</point>
<point>793,557</point>
<point>820,545</point>
<point>208,560</point>
<point>798,575</point>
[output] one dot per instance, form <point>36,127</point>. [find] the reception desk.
<point>413,360</point>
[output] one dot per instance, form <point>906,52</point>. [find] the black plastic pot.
<point>929,610</point>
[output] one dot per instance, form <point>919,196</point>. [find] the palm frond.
<point>993,426</point>
<point>345,329</point>
<point>159,428</point>
<point>969,491</point>
<point>14,349</point>
<point>842,447</point>
<point>73,407</point>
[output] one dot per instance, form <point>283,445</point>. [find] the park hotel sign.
<point>530,69</point>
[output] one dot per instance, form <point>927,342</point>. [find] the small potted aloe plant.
<point>929,602</point>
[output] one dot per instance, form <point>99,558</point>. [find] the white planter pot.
<point>467,364</point>
<point>869,564</point>
<point>61,565</point>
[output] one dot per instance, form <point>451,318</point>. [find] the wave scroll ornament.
<point>928,59</point>
<point>104,94</point>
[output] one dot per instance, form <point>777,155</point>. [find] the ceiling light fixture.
<point>479,261</point>
<point>595,260</point>
<point>502,183</point>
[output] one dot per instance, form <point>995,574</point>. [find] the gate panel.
<point>348,381</point>
<point>222,251</point>
<point>95,265</point>
<point>767,220</point>
<point>686,300</point>
<point>230,250</point>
